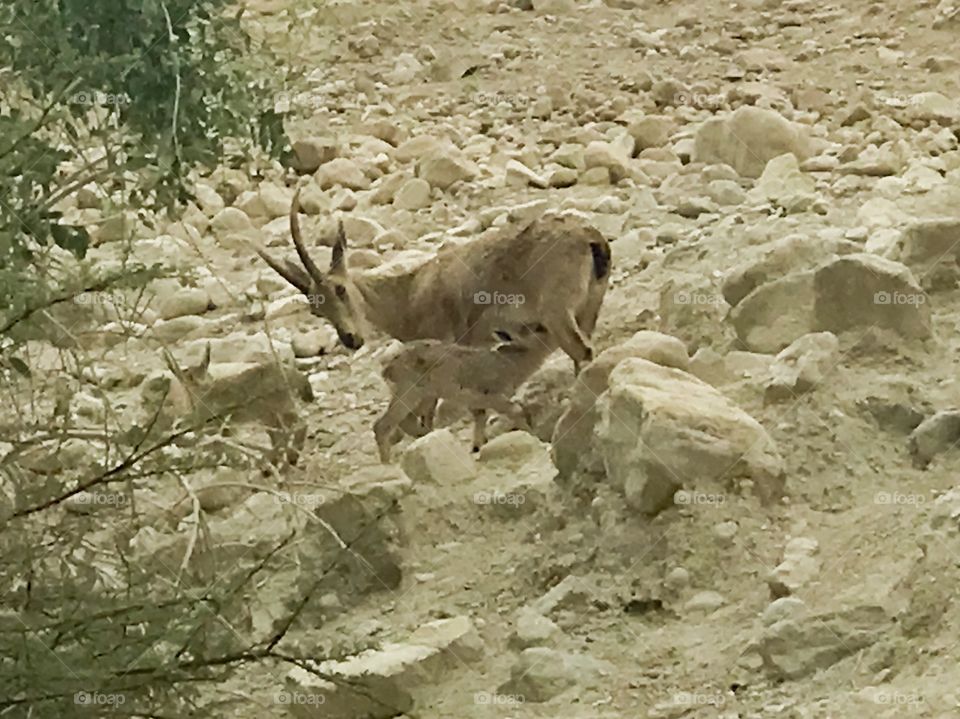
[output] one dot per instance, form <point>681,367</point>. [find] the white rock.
<point>802,366</point>
<point>707,601</point>
<point>438,458</point>
<point>342,172</point>
<point>749,138</point>
<point>519,175</point>
<point>444,166</point>
<point>785,185</point>
<point>413,194</point>
<point>799,567</point>
<point>540,674</point>
<point>662,429</point>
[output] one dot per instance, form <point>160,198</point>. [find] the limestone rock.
<point>802,366</point>
<point>776,313</point>
<point>309,153</point>
<point>439,458</point>
<point>444,166</point>
<point>662,429</point>
<point>861,291</point>
<point>799,567</point>
<point>573,436</point>
<point>785,185</point>
<point>935,435</point>
<point>749,138</point>
<point>342,172</point>
<point>794,648</point>
<point>540,674</point>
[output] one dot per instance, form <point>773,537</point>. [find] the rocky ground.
<point>747,506</point>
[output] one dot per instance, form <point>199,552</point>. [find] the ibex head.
<point>331,295</point>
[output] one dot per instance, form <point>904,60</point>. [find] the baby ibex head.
<point>331,295</point>
<point>191,378</point>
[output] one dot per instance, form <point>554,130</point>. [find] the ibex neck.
<point>385,301</point>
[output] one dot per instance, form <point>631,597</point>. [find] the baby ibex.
<point>554,271</point>
<point>245,392</point>
<point>481,378</point>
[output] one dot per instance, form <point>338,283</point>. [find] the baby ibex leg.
<point>385,428</point>
<point>286,443</point>
<point>479,428</point>
<point>500,405</point>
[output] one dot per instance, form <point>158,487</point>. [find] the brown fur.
<point>256,393</point>
<point>481,378</point>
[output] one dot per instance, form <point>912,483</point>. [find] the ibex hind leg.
<point>570,338</point>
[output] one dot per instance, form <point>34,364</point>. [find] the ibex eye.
<point>341,291</point>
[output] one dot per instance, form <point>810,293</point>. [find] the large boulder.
<point>376,683</point>
<point>749,138</point>
<point>930,248</point>
<point>776,313</point>
<point>573,435</point>
<point>662,430</point>
<point>541,673</point>
<point>778,258</point>
<point>862,291</point>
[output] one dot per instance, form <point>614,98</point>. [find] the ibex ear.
<point>338,264</point>
<point>205,362</point>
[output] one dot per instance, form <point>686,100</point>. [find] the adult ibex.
<point>555,271</point>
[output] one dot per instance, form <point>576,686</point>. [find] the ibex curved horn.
<point>302,253</point>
